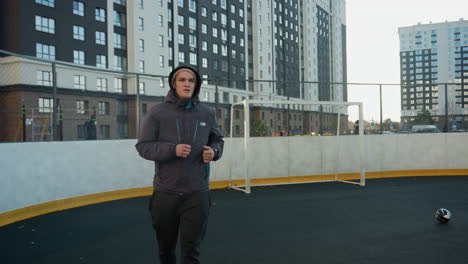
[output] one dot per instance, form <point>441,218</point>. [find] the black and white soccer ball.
<point>443,215</point>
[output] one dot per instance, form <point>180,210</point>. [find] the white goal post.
<point>247,138</point>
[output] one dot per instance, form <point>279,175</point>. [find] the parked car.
<point>424,129</point>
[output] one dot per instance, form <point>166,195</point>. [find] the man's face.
<point>184,85</point>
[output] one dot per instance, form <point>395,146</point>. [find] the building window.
<point>215,48</point>
<point>104,132</point>
<point>193,58</point>
<point>119,19</point>
<point>141,87</point>
<point>44,78</point>
<point>140,3</point>
<point>78,32</point>
<point>79,82</point>
<point>45,51</point>
<point>144,109</point>
<point>180,3</point>
<point>81,106</point>
<point>181,57</point>
<point>215,32</point>
<point>120,63</point>
<point>214,16</point>
<point>224,34</point>
<point>224,50</point>
<point>224,66</point>
<point>103,108</point>
<point>160,20</point>
<point>46,105</point>
<point>140,23</point>
<point>49,3</point>
<point>78,57</point>
<point>204,45</point>
<point>120,42</point>
<point>100,38</point>
<point>181,38</point>
<point>192,6</point>
<point>100,14</point>
<point>192,23</point>
<point>161,41</point>
<point>81,131</point>
<point>78,8</point>
<point>120,2</point>
<point>161,61</point>
<point>141,45</point>
<point>44,24</point>
<point>192,41</point>
<point>205,62</point>
<point>223,19</point>
<point>119,85</point>
<point>204,28</point>
<point>101,61</point>
<point>181,21</point>
<point>101,84</point>
<point>141,66</point>
<point>203,11</point>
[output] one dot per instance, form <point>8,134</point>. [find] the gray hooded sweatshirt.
<point>173,122</point>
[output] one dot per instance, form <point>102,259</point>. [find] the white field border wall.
<point>39,172</point>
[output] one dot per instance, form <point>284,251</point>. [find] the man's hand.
<point>183,150</point>
<point>208,154</point>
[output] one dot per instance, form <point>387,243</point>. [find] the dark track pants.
<point>185,213</point>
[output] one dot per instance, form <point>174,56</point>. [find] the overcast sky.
<point>373,45</point>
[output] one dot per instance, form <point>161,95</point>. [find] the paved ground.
<point>388,221</point>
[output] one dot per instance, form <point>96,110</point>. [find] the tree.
<point>258,129</point>
<point>423,118</point>
<point>386,124</point>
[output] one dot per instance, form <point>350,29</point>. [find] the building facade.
<point>434,72</point>
<point>111,54</point>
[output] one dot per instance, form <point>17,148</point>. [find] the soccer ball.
<point>443,215</point>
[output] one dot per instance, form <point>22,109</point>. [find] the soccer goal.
<point>292,142</point>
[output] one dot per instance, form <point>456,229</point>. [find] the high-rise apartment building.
<point>434,57</point>
<point>262,49</point>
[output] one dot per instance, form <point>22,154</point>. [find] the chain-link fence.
<point>44,100</point>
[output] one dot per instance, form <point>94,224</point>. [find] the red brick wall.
<point>11,126</point>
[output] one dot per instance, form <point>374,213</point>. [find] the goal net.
<point>287,142</point>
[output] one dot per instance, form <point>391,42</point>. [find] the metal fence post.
<point>381,115</point>
<point>23,113</point>
<point>137,107</point>
<point>54,100</point>
<point>446,110</point>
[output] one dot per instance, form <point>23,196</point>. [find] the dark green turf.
<point>388,221</point>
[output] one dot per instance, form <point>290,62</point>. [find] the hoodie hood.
<point>172,95</point>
